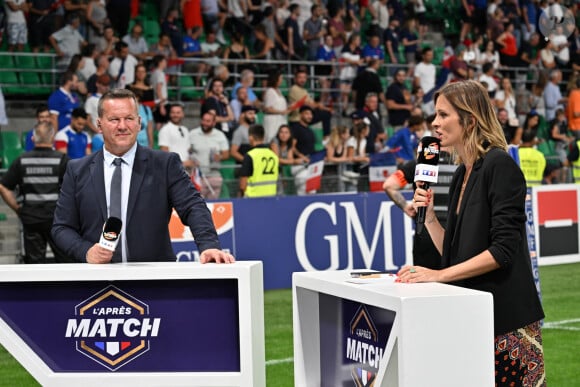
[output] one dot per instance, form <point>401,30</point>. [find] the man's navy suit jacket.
<point>158,184</point>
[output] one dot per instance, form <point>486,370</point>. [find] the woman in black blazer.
<point>484,246</point>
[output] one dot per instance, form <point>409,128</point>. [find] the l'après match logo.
<point>112,328</point>
<point>362,347</point>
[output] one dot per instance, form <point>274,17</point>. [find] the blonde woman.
<point>484,246</point>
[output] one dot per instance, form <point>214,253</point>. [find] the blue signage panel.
<point>307,233</point>
<point>128,326</point>
<point>353,338</point>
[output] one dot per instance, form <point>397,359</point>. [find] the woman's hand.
<point>413,274</point>
<point>423,197</point>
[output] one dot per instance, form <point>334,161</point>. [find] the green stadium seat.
<point>151,29</point>
<point>9,82</point>
<point>10,140</point>
<point>7,60</point>
<point>25,61</point>
<point>32,84</point>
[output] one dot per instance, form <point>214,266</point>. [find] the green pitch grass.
<point>560,297</point>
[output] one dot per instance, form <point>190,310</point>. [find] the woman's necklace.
<point>463,185</point>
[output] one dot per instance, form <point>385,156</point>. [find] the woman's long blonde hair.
<point>482,130</point>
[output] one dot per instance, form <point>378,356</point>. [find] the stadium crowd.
<point>365,70</point>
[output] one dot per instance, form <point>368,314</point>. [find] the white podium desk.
<point>390,334</point>
<point>136,324</point>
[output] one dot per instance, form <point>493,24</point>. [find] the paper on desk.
<point>374,278</point>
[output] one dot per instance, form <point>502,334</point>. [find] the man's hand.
<point>217,256</point>
<point>98,254</point>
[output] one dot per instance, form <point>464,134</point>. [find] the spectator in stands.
<point>425,73</point>
<point>529,53</point>
<point>217,103</point>
<point>102,62</point>
<point>547,58</point>
<point>376,135</point>
<point>398,101</point>
<point>373,50</point>
<point>495,26</point>
<point>211,49</point>
<point>191,48</point>
<point>238,16</point>
<point>240,140</point>
<point>529,16</point>
<point>16,24</point>
<point>294,46</point>
<point>367,81</point>
<point>64,100</point>
<point>283,145</point>
<point>191,12</point>
<point>304,147</point>
<point>380,16</point>
<point>122,67</point>
<point>247,81</point>
<point>561,136</point>
<point>511,128</point>
<point>119,12</point>
<point>553,98</point>
<point>561,47</point>
<point>158,80</point>
<point>336,28</point>
<point>325,70</point>
<point>458,66</point>
<point>208,147</point>
<point>164,47</point>
<point>145,135</point>
<point>508,47</point>
<point>473,13</point>
<point>236,53</point>
<point>42,116</point>
<point>41,24</point>
<point>72,140</point>
<point>263,51</point>
<point>505,98</point>
<point>410,41</point>
<point>532,161</point>
<point>488,77</point>
<point>405,141</point>
<point>174,136</point>
<point>107,42</point>
<point>92,102</point>
<point>336,151</point>
<point>89,54</point>
<point>298,92</point>
<point>356,153</point>
<point>97,18</point>
<point>39,187</point>
<point>67,41</point>
<point>77,7</point>
<point>349,61</point>
<point>239,101</point>
<point>391,41</point>
<point>76,65</point>
<point>314,29</point>
<point>136,42</point>
<point>274,105</point>
<point>220,72</point>
<point>490,55</point>
<point>209,15</point>
<point>573,109</point>
<point>171,27</point>
<point>147,95</point>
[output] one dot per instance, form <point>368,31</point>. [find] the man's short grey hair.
<point>115,94</point>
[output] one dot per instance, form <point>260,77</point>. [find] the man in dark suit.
<point>153,182</point>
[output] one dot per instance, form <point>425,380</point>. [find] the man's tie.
<point>115,202</point>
